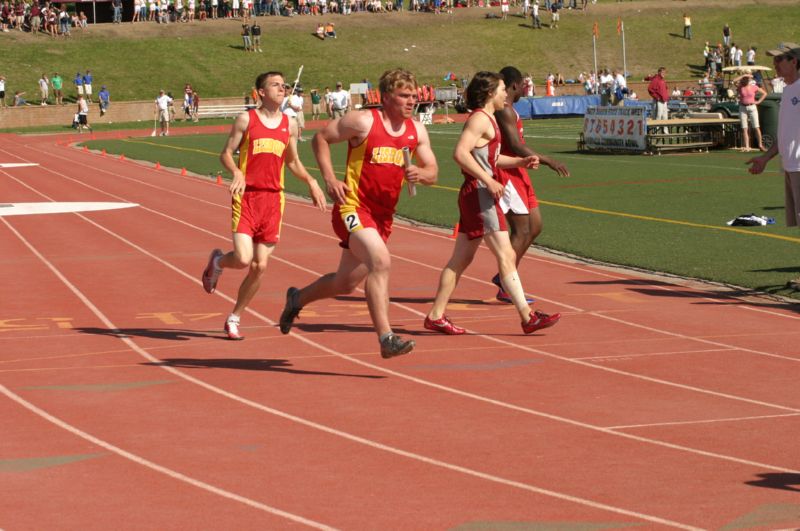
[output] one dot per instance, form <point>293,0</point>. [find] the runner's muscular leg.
<point>369,248</point>
<point>463,253</point>
<point>346,278</point>
<point>498,242</point>
<point>242,254</point>
<point>251,283</point>
<point>525,228</point>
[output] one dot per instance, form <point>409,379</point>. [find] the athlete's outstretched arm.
<point>297,168</point>
<point>426,169</point>
<point>231,145</point>
<point>352,126</point>
<point>507,122</point>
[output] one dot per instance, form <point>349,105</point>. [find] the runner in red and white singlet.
<point>478,153</point>
<point>522,209</point>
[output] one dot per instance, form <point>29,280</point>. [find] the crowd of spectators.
<point>50,18</point>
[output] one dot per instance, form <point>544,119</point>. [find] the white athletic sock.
<point>513,287</point>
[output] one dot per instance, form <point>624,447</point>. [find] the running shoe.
<point>394,345</point>
<point>290,310</point>
<point>502,296</point>
<point>443,325</point>
<point>540,320</point>
<point>211,274</point>
<point>232,328</point>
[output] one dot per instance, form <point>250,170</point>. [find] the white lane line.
<point>705,421</point>
<point>54,207</point>
<point>513,407</point>
<point>155,466</point>
<point>17,164</point>
<point>282,414</point>
<point>648,354</point>
<point>422,315</point>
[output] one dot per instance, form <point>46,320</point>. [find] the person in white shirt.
<point>620,87</point>
<point>292,107</point>
<point>737,61</point>
<point>44,88</point>
<point>786,59</point>
<point>2,91</point>
<point>162,109</point>
<point>83,113</point>
<point>340,101</point>
<point>751,56</point>
<point>732,54</point>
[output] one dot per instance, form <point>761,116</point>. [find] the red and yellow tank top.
<point>375,168</point>
<point>262,153</point>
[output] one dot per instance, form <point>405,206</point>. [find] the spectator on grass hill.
<point>329,30</point>
<point>57,83</point>
<point>105,100</point>
<point>786,59</point>
<point>687,27</point>
<point>340,101</point>
<point>44,89</point>
<point>19,101</point>
<point>2,91</point>
<point>87,86</point>
<point>78,81</point>
<point>255,32</point>
<point>320,31</point>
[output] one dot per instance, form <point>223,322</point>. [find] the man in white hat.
<point>786,58</point>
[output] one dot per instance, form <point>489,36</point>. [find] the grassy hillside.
<point>135,61</point>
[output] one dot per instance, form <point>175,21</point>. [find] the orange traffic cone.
<point>104,152</point>
<point>219,179</point>
<point>86,148</point>
<point>183,171</point>
<point>455,232</point>
<point>158,165</point>
<point>122,156</point>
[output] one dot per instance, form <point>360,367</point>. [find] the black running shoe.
<point>394,345</point>
<point>290,310</point>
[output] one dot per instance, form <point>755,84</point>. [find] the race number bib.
<point>351,221</point>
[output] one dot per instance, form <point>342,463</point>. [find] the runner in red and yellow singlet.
<point>267,143</point>
<point>366,200</point>
<point>374,176</point>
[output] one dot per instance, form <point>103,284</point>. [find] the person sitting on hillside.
<point>329,30</point>
<point>320,31</point>
<point>19,101</point>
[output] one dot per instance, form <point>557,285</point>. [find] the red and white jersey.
<point>487,155</point>
<point>262,153</point>
<point>376,169</point>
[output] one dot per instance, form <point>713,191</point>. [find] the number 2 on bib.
<point>352,222</point>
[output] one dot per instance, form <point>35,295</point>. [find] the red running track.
<point>653,404</point>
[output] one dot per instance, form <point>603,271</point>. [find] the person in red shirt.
<point>267,141</point>
<point>660,94</point>
<point>480,205</point>
<point>366,200</point>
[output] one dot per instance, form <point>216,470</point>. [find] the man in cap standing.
<point>786,58</point>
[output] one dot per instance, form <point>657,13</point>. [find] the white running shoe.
<point>211,273</point>
<point>232,328</point>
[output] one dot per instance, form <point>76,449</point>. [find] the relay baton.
<point>412,188</point>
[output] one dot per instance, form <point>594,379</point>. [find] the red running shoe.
<point>540,320</point>
<point>232,328</point>
<point>443,325</point>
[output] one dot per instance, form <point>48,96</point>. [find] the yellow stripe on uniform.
<point>244,145</point>
<point>352,175</point>
<point>236,211</point>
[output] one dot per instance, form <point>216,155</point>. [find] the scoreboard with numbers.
<point>615,128</point>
